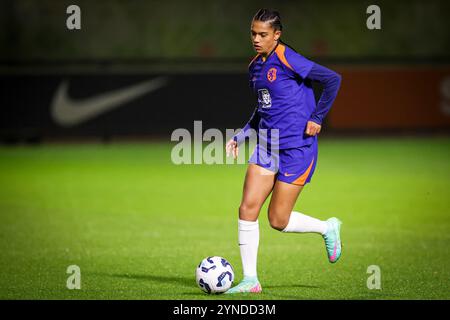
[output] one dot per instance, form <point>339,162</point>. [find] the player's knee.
<point>277,222</point>
<point>248,212</point>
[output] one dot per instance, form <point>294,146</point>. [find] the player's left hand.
<point>312,128</point>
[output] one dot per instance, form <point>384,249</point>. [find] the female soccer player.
<point>281,78</point>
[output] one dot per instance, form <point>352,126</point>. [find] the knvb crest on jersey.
<point>272,74</point>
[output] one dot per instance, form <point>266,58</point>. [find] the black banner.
<point>120,105</point>
<point>226,309</point>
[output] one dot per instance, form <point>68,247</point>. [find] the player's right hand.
<point>232,148</point>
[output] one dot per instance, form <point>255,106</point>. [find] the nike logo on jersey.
<point>69,112</point>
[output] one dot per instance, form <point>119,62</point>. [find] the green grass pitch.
<point>138,226</point>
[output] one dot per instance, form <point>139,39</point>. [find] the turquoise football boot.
<point>333,239</point>
<point>249,284</point>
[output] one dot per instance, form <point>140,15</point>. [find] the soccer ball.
<point>214,275</point>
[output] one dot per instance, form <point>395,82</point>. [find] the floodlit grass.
<point>138,225</point>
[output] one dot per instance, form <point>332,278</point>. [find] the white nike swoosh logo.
<point>289,174</point>
<point>69,112</point>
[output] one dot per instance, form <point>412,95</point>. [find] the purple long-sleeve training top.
<point>282,83</point>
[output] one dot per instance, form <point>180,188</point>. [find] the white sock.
<point>299,222</point>
<point>248,245</point>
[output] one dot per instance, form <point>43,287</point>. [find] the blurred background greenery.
<point>137,29</point>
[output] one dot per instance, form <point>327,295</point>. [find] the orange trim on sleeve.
<point>302,179</point>
<point>280,53</point>
<point>256,57</point>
